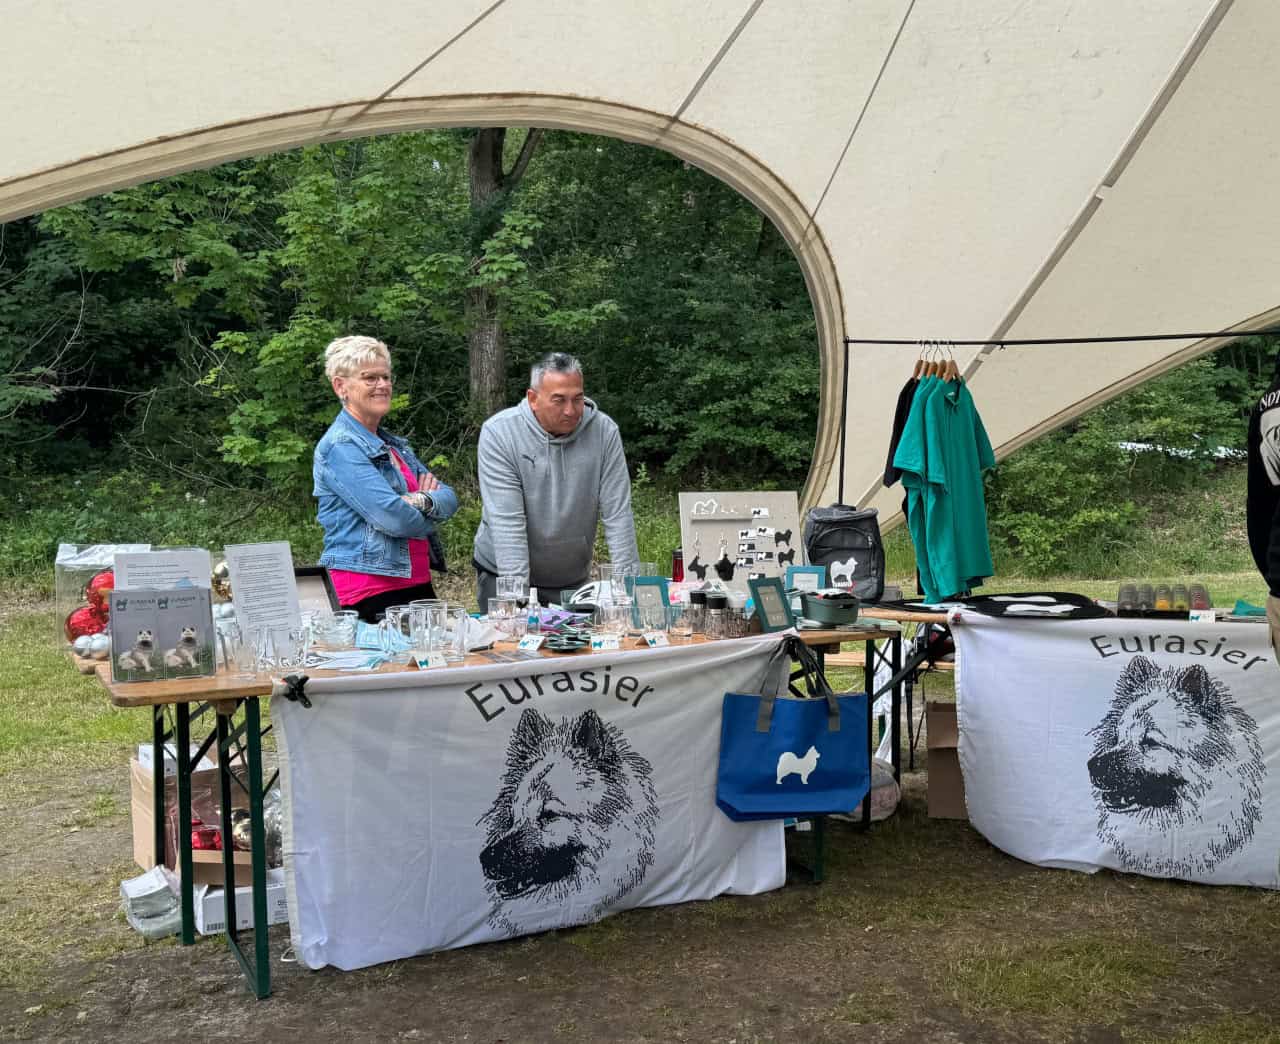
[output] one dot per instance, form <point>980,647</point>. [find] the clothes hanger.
<point>952,371</point>
<point>918,372</point>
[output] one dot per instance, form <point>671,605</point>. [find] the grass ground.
<point>921,932</point>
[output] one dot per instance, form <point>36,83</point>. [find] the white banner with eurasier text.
<point>1148,746</point>
<point>427,810</point>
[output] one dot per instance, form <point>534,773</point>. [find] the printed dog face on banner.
<point>574,821</point>
<point>1175,758</point>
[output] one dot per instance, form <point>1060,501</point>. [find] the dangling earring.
<point>696,567</point>
<point>724,566</point>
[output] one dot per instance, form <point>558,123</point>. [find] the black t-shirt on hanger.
<point>900,414</point>
<point>1262,509</point>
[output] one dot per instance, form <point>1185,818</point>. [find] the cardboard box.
<point>211,913</point>
<point>946,784</point>
<point>206,865</point>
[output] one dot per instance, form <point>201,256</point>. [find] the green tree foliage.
<point>212,294</point>
<point>1073,496</point>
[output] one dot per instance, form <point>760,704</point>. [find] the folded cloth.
<point>1243,608</point>
<point>370,636</point>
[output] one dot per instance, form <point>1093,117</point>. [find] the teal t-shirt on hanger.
<point>911,459</point>
<point>943,454</point>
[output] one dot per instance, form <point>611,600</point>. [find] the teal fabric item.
<point>911,459</point>
<point>943,454</point>
<point>1243,608</point>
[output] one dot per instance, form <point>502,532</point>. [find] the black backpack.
<point>847,541</point>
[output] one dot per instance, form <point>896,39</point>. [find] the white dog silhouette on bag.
<point>789,763</point>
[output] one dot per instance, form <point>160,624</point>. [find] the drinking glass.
<point>511,585</point>
<point>652,617</point>
<point>508,618</point>
<point>679,622</point>
<point>281,648</point>
<point>455,638</point>
<point>335,631</point>
<point>240,651</point>
<point>426,628</point>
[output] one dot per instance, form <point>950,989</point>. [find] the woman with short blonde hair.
<point>378,503</point>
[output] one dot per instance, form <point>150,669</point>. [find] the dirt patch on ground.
<point>922,932</point>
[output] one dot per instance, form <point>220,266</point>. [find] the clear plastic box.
<point>73,567</point>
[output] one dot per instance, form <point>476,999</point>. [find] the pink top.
<point>356,587</point>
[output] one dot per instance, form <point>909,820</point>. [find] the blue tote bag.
<point>783,756</point>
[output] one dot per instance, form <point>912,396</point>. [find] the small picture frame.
<point>805,578</point>
<point>315,589</point>
<point>648,592</point>
<point>773,608</point>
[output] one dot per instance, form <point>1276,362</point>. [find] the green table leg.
<point>258,972</point>
<point>182,740</point>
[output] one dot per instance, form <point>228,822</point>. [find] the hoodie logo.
<point>530,458</point>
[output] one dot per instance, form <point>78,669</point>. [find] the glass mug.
<point>508,618</point>
<point>239,650</point>
<point>454,640</point>
<point>396,632</point>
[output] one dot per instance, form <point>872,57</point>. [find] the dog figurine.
<point>186,654</point>
<point>789,763</point>
<point>1175,754</point>
<point>573,825</point>
<point>781,536</point>
<point>788,556</point>
<point>697,568</point>
<point>139,657</point>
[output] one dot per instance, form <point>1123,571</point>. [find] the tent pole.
<point>844,419</point>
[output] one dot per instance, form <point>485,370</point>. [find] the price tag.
<point>435,659</point>
<point>655,638</point>
<point>1202,616</point>
<point>531,642</point>
<point>605,642</point>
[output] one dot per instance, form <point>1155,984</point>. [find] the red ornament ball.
<point>99,589</point>
<point>83,621</point>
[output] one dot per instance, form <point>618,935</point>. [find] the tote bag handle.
<point>815,682</point>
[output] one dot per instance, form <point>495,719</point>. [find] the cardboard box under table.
<point>946,783</point>
<point>206,863</point>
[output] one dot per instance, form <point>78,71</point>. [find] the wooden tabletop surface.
<point>224,686</point>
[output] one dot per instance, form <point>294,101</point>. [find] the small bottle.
<point>1127,600</point>
<point>698,611</point>
<point>677,565</point>
<point>1146,598</point>
<point>1164,598</point>
<point>1181,599</point>
<point>717,616</point>
<point>534,614</point>
<point>1199,596</point>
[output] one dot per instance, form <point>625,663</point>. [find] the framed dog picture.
<point>805,578</point>
<point>772,606</point>
<point>648,592</point>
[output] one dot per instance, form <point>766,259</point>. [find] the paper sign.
<point>162,570</point>
<point>263,586</point>
<point>531,642</point>
<point>1202,616</point>
<point>655,638</point>
<point>605,642</point>
<point>435,659</point>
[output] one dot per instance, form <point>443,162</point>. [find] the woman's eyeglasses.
<point>372,380</point>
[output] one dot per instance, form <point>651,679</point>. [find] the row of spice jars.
<point>1162,598</point>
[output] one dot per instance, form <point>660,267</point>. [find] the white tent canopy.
<point>957,169</point>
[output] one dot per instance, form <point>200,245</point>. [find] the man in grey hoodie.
<point>551,467</point>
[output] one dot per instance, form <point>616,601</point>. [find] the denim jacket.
<point>367,527</point>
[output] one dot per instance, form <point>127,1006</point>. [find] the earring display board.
<point>735,537</point>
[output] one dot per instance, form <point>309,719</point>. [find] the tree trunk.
<point>486,339</point>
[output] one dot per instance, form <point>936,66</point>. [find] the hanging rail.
<point>1013,342</point>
